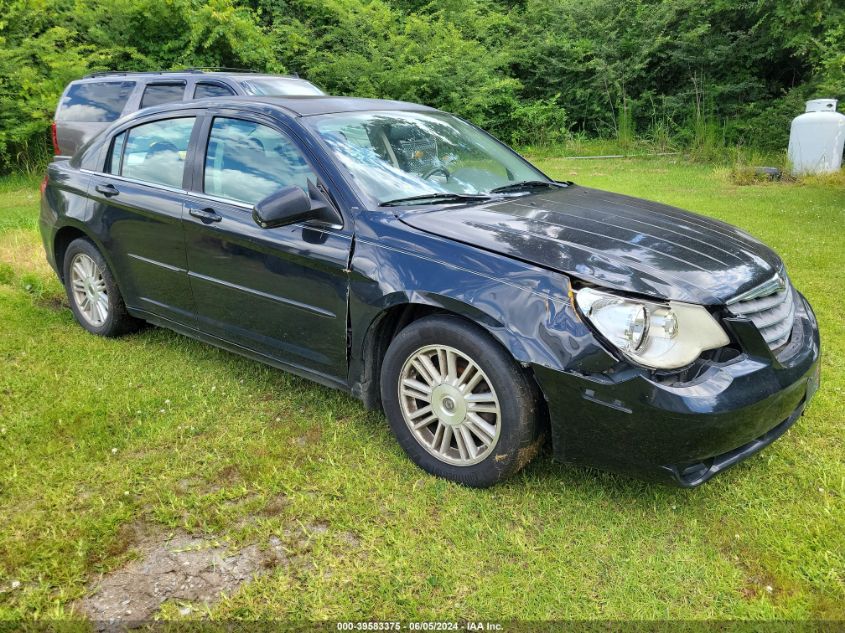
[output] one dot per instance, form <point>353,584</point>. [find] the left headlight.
<point>657,335</point>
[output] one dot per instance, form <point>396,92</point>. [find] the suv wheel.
<point>457,403</point>
<point>92,292</point>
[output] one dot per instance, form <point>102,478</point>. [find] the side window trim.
<point>110,155</point>
<point>195,159</point>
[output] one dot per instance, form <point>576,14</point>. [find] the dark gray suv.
<point>89,105</point>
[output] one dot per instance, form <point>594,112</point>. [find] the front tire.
<point>458,404</point>
<point>92,292</point>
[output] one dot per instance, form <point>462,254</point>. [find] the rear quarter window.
<point>204,90</point>
<point>92,102</point>
<point>158,94</point>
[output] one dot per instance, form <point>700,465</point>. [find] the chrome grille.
<point>771,307</point>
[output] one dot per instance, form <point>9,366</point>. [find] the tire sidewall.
<point>517,400</point>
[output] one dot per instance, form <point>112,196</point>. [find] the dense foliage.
<point>685,72</point>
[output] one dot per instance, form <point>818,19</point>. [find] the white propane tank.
<point>816,138</point>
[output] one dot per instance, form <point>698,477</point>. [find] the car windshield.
<point>397,156</point>
<point>280,87</point>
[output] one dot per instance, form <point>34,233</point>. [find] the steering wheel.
<point>436,170</point>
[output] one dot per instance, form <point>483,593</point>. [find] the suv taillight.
<point>55,138</point>
<point>44,185</point>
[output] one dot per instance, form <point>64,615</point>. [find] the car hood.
<point>612,240</point>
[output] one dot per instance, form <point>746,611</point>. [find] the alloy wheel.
<point>89,289</point>
<point>450,405</point>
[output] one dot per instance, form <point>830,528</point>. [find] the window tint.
<point>211,90</point>
<point>98,101</point>
<point>155,152</point>
<point>116,153</point>
<point>248,161</point>
<point>156,94</point>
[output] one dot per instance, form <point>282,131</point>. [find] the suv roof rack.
<point>192,69</point>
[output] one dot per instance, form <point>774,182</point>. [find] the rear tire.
<point>458,404</point>
<point>92,292</point>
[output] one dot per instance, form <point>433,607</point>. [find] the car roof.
<point>299,106</point>
<point>183,74</point>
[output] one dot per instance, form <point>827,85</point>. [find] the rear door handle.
<point>206,215</point>
<point>107,190</point>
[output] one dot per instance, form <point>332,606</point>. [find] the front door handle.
<point>206,215</point>
<point>108,190</point>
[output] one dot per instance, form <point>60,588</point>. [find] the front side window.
<point>100,101</point>
<point>157,94</point>
<point>247,161</point>
<point>392,155</point>
<point>203,90</point>
<point>154,152</point>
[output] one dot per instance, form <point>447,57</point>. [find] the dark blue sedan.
<point>405,256</point>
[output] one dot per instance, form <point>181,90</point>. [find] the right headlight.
<point>657,335</point>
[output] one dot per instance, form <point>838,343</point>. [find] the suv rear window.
<point>95,101</point>
<point>157,94</point>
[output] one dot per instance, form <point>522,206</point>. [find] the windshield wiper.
<point>526,184</point>
<point>435,198</point>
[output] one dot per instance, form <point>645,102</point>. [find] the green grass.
<point>97,435</point>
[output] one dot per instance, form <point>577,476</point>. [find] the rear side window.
<point>157,94</point>
<point>100,101</point>
<point>153,152</point>
<point>247,161</point>
<point>203,90</point>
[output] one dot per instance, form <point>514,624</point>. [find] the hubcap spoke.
<point>446,440</point>
<point>419,412</point>
<point>449,405</point>
<point>424,422</point>
<point>462,449</point>
<point>472,449</point>
<point>416,389</point>
<point>475,378</point>
<point>430,377</point>
<point>483,430</point>
<point>438,435</point>
<point>436,377</point>
<point>451,367</point>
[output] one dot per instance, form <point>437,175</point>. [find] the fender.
<point>394,280</point>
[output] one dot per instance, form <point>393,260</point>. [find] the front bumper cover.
<point>684,433</point>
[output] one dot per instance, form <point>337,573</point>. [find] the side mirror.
<point>291,205</point>
<point>285,206</point>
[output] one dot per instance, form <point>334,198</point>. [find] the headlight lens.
<point>660,336</point>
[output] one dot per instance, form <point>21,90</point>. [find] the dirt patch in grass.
<point>56,303</point>
<point>180,567</point>
<point>191,571</point>
<point>230,475</point>
<point>275,506</point>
